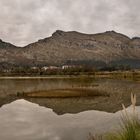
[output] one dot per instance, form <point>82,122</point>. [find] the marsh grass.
<point>130,124</point>
<point>130,130</point>
<point>67,93</point>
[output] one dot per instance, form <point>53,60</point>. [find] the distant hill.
<point>99,50</point>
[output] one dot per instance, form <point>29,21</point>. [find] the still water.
<point>27,121</point>
<point>65,118</point>
<point>118,90</point>
<point>22,120</point>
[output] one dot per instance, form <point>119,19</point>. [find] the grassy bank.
<point>121,75</point>
<point>106,74</point>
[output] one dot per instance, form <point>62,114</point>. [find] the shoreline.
<point>47,77</point>
<point>121,75</point>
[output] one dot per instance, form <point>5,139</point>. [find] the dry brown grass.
<point>66,93</point>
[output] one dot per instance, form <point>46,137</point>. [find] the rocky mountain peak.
<point>103,48</point>
<point>111,32</point>
<point>1,41</point>
<point>135,41</point>
<point>136,38</point>
<point>58,33</point>
<point>5,45</point>
<point>114,33</point>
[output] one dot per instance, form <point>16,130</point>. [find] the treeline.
<point>23,71</point>
<point>116,68</point>
<point>59,70</point>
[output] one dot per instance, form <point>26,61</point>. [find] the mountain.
<point>75,48</point>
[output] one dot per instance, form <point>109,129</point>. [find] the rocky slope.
<point>75,48</point>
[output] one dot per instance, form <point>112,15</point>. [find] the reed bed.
<point>66,93</point>
<point>130,125</point>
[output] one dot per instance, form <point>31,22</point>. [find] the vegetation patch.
<point>130,126</point>
<point>65,93</point>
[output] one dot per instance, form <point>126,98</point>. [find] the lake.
<point>28,121</point>
<point>62,118</point>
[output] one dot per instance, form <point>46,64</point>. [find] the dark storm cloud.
<point>23,22</point>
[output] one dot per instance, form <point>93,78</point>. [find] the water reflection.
<point>10,87</point>
<point>22,120</point>
<point>119,91</point>
<point>26,121</point>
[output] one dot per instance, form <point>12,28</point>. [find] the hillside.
<point>75,48</point>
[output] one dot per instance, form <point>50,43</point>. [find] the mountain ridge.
<point>73,47</point>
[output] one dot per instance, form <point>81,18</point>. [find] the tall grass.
<point>130,131</point>
<point>96,137</point>
<point>130,124</point>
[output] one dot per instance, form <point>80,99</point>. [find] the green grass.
<point>130,126</point>
<point>130,130</point>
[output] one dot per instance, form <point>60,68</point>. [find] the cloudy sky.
<point>26,21</point>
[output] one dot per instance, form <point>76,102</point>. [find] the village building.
<point>50,68</point>
<point>68,66</point>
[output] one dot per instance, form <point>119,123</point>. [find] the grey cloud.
<point>23,22</point>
